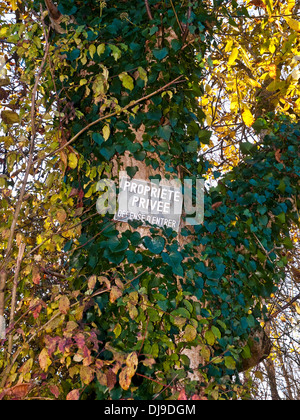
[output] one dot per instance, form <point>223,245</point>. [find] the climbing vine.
<point>121,87</point>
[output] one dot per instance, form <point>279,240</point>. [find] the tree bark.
<point>269,364</point>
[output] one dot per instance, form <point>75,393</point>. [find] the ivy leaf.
<point>160,54</point>
<point>165,132</point>
<point>155,245</point>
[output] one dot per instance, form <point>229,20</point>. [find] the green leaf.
<point>165,132</point>
<point>115,51</point>
<point>160,54</point>
<point>230,363</point>
<point>204,136</point>
<point>10,117</point>
<point>181,312</point>
<point>282,217</point>
<point>216,332</point>
<point>190,333</point>
<point>155,245</point>
<point>210,338</point>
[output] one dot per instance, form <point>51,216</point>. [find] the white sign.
<point>159,205</point>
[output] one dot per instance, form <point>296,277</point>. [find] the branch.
<point>113,114</point>
<point>285,307</point>
<point>30,159</point>
<point>148,10</point>
<point>14,295</point>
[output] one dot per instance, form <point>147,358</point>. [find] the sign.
<point>149,202</point>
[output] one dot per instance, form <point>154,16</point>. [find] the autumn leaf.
<point>13,4</point>
<point>10,117</point>
<point>182,395</point>
<point>115,294</point>
<point>36,276</point>
<point>61,216</point>
<point>44,360</point>
<point>73,161</point>
<point>73,395</point>
<point>248,118</point>
<point>129,371</point>
<point>190,333</point>
<point>293,24</point>
<point>64,305</point>
<point>272,71</point>
<point>18,392</point>
<point>106,132</point>
<point>86,374</point>
<point>233,57</point>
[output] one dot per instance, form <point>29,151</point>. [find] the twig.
<point>178,21</point>
<point>14,295</point>
<point>285,307</point>
<point>164,389</point>
<point>113,114</point>
<point>148,10</point>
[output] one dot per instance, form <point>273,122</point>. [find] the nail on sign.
<point>151,202</point>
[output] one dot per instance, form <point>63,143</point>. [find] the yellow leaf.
<point>106,132</point>
<point>14,4</point>
<point>272,71</point>
<point>86,374</point>
<point>129,371</point>
<point>61,216</point>
<point>233,57</point>
<point>190,333</point>
<point>248,118</point>
<point>115,294</point>
<point>64,305</point>
<point>73,161</point>
<point>293,24</point>
<point>44,360</point>
<point>290,5</point>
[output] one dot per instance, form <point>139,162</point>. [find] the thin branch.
<point>285,306</point>
<point>148,10</point>
<point>113,114</point>
<point>14,295</point>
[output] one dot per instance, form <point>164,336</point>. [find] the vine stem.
<point>113,114</point>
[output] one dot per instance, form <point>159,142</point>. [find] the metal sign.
<point>149,202</point>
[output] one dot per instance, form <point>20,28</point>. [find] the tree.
<point>118,310</point>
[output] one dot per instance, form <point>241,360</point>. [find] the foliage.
<point>109,312</point>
